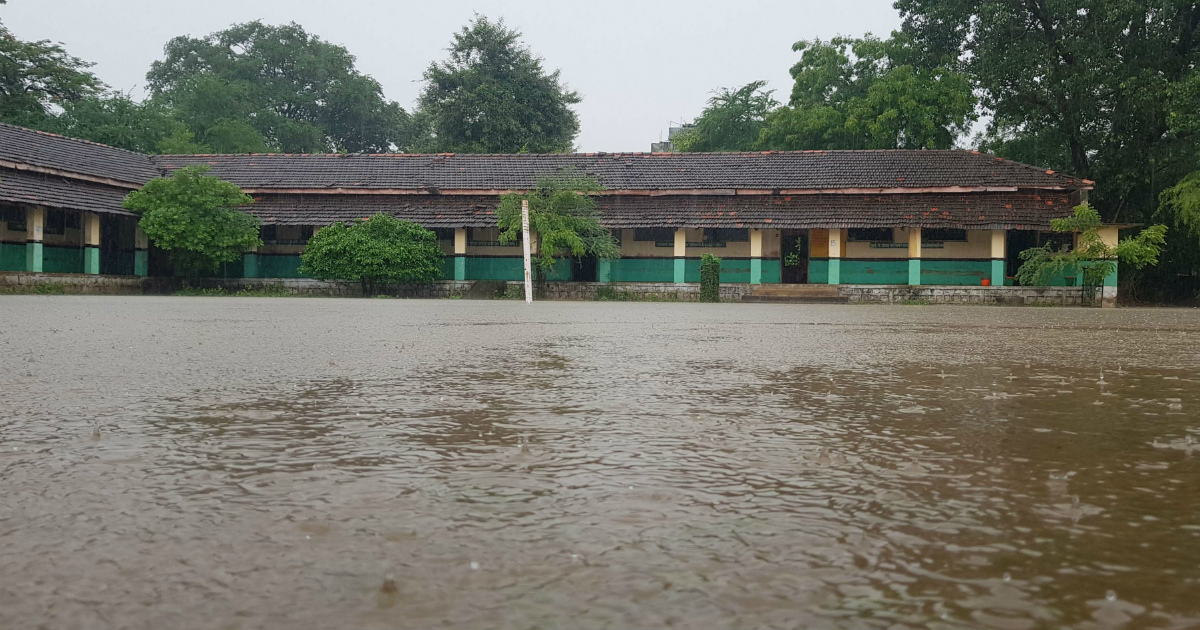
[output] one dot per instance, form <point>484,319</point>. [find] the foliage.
<point>42,288</point>
<point>870,94</point>
<point>1091,254</point>
<point>493,96</point>
<point>1181,204</point>
<point>372,251</point>
<point>1102,89</point>
<point>117,120</point>
<point>710,278</point>
<point>562,217</point>
<point>256,86</point>
<point>35,77</point>
<point>732,121</point>
<point>195,217</point>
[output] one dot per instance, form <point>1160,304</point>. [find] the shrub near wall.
<point>710,278</point>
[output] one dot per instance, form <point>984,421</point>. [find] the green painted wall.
<point>874,271</point>
<point>968,272</point>
<point>507,268</point>
<point>62,259</point>
<point>275,266</point>
<point>12,257</point>
<point>448,268</point>
<point>643,270</point>
<point>732,270</point>
<point>770,271</point>
<point>818,271</point>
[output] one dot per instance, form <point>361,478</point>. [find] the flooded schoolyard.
<point>319,463</point>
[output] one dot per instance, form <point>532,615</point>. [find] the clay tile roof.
<point>774,170</point>
<point>51,151</point>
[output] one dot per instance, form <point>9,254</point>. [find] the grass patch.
<point>46,288</point>
<point>609,294</point>
<point>264,291</point>
<point>917,302</point>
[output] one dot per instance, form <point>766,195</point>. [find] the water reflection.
<point>624,473</point>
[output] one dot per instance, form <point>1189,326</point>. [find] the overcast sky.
<point>639,65</point>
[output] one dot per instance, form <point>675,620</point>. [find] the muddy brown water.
<point>273,463</point>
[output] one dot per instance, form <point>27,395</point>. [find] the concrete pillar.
<point>680,255</point>
<point>460,254</point>
<point>756,256</point>
<point>914,256</point>
<point>999,240</point>
<point>35,223</point>
<point>91,242</point>
<point>141,253</point>
<point>1110,236</point>
<point>835,256</point>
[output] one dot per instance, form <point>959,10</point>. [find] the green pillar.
<point>755,271</point>
<point>250,265</point>
<point>997,272</point>
<point>604,271</point>
<point>91,259</point>
<point>141,262</point>
<point>914,271</point>
<point>460,267</point>
<point>680,269</point>
<point>835,271</point>
<point>33,256</point>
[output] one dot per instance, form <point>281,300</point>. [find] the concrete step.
<point>796,299</point>
<point>795,290</point>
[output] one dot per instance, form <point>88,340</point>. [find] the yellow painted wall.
<point>859,249</point>
<point>978,245</point>
<point>770,243</point>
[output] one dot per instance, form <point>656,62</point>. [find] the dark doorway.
<point>793,253</point>
<point>116,244</point>
<point>585,269</point>
<point>1017,241</point>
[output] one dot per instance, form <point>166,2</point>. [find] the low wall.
<point>953,294</point>
<point>81,284</point>
<point>632,291</point>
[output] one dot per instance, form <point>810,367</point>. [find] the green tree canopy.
<point>116,119</point>
<point>1090,254</point>
<point>373,251</point>
<point>35,77</point>
<point>196,218</point>
<point>731,122</point>
<point>256,86</point>
<point>870,94</point>
<point>563,218</point>
<point>493,96</point>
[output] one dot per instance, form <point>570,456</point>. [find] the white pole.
<point>525,245</point>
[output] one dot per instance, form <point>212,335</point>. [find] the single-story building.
<point>925,217</point>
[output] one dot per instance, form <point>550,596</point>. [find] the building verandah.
<point>43,239</point>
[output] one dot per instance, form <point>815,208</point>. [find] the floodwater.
<point>321,463</point>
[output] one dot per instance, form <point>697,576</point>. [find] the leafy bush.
<point>710,278</point>
<point>378,250</point>
<point>195,217</point>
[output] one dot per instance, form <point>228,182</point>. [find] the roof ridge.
<point>73,139</point>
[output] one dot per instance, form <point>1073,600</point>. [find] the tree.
<point>1090,255</point>
<point>257,86</point>
<point>373,251</point>
<point>35,77</point>
<point>493,96</point>
<point>1087,87</point>
<point>870,94</point>
<point>196,218</point>
<point>731,122</point>
<point>710,278</point>
<point>563,218</point>
<point>117,120</point>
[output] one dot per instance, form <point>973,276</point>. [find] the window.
<point>306,232</point>
<point>661,237</point>
<point>944,234</point>
<point>56,222</point>
<point>871,235</point>
<point>726,235</point>
<point>14,217</point>
<point>1058,241</point>
<point>444,234</point>
<point>489,237</point>
<point>268,233</point>
<point>74,221</point>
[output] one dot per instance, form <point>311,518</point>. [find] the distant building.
<point>668,146</point>
<point>820,217</point>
